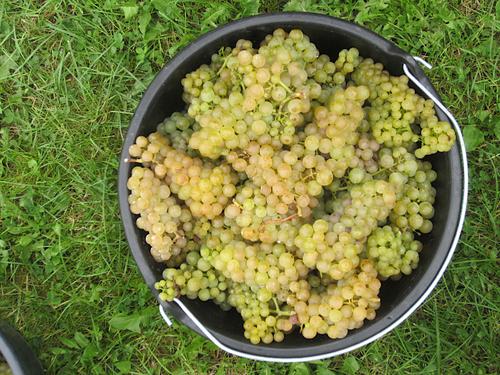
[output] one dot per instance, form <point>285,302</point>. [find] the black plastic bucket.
<point>16,352</point>
<point>399,299</point>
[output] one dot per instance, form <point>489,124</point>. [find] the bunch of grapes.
<point>205,188</point>
<point>178,128</point>
<point>290,187</point>
<point>259,217</point>
<point>394,252</point>
<point>414,208</point>
<point>265,321</point>
<point>250,92</point>
<point>268,269</point>
<point>333,246</point>
<point>414,205</point>
<point>396,109</point>
<point>196,278</point>
<point>436,136</point>
<point>162,215</point>
<point>338,307</point>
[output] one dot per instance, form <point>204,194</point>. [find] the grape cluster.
<point>436,136</point>
<point>338,307</point>
<point>266,268</point>
<point>196,278</point>
<point>257,217</point>
<point>163,216</point>
<point>393,251</point>
<point>205,188</point>
<point>396,109</point>
<point>250,92</point>
<point>290,187</point>
<point>414,204</point>
<point>178,128</point>
<point>290,178</point>
<point>365,160</point>
<point>265,321</point>
<point>332,246</point>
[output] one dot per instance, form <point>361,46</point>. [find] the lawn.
<point>71,75</point>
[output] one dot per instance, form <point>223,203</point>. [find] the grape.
<point>262,320</point>
<point>437,136</point>
<point>292,184</point>
<point>270,268</point>
<point>265,91</point>
<point>256,217</point>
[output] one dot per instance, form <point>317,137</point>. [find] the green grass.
<point>71,75</point>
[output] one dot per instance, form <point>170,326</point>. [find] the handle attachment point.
<point>422,61</point>
<point>165,316</point>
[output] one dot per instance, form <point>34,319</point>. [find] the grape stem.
<point>279,114</point>
<point>235,202</point>
<point>243,154</point>
<point>282,84</point>
<point>383,170</point>
<point>127,160</point>
<point>282,220</point>
<point>224,63</point>
<point>280,312</point>
<point>309,176</point>
<point>339,189</point>
<point>397,162</point>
